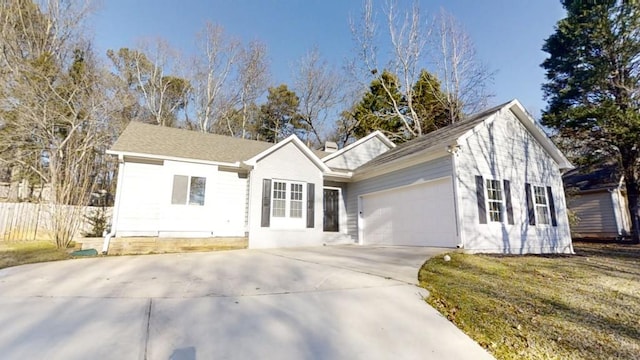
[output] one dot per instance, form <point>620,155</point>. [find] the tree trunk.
<point>14,184</point>
<point>634,210</point>
<point>631,183</point>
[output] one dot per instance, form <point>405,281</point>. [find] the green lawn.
<point>585,306</point>
<point>18,253</point>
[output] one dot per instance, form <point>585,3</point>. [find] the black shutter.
<point>482,211</point>
<point>311,204</point>
<point>266,202</point>
<point>552,207</point>
<point>507,196</point>
<point>530,206</point>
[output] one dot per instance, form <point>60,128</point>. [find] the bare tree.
<point>252,79</point>
<point>319,88</point>
<point>463,76</point>
<point>53,111</point>
<point>212,68</point>
<point>152,71</point>
<point>414,44</point>
<point>407,35</point>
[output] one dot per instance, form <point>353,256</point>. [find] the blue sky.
<point>508,34</point>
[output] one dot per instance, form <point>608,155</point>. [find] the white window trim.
<point>502,202</point>
<point>536,205</point>
<point>287,222</point>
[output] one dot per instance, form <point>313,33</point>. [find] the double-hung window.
<point>287,199</point>
<point>495,200</point>
<point>188,190</point>
<point>541,204</point>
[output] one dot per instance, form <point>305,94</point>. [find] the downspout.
<point>453,150</point>
<point>248,208</point>
<point>116,207</point>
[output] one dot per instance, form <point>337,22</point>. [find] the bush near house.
<point>583,306</point>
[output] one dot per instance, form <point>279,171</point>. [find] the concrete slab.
<point>333,302</point>
<point>397,262</point>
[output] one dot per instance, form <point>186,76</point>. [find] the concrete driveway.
<point>341,302</point>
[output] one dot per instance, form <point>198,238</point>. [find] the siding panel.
<point>596,214</point>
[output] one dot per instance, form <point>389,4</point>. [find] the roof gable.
<point>292,139</point>
<point>442,139</point>
<point>360,152</point>
<point>355,144</point>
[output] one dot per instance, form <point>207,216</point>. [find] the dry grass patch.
<point>18,253</point>
<point>543,307</point>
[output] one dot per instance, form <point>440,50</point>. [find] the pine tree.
<point>593,84</point>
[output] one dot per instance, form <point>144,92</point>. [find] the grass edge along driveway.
<point>583,306</point>
<point>29,252</point>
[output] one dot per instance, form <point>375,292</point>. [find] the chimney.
<point>330,147</point>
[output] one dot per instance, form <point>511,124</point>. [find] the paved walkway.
<point>343,302</point>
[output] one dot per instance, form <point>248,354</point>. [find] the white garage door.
<point>418,215</point>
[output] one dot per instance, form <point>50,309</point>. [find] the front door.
<point>331,205</point>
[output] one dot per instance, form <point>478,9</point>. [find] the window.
<point>288,200</point>
<point>188,190</point>
<point>279,199</point>
<point>495,201</point>
<point>541,205</point>
<point>296,201</point>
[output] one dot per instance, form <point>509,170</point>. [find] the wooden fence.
<point>35,221</point>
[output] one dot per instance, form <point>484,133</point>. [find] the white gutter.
<point>116,208</point>
<point>173,158</point>
<point>453,150</point>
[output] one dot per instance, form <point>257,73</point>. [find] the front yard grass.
<point>18,253</point>
<point>583,306</point>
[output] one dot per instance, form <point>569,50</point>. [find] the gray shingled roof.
<point>163,141</point>
<point>436,139</point>
<point>601,176</point>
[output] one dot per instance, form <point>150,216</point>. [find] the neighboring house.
<point>491,183</point>
<point>597,196</point>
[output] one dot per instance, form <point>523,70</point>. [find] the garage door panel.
<point>419,215</point>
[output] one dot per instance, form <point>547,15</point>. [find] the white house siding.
<point>146,209</point>
<point>358,155</point>
<point>287,163</point>
<point>596,211</point>
<point>230,198</point>
<point>504,150</point>
<point>139,210</point>
<point>412,175</point>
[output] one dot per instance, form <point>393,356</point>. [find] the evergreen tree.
<point>593,84</point>
<point>430,103</point>
<point>377,109</point>
<point>279,115</point>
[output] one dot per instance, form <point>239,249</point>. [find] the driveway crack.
<point>146,337</point>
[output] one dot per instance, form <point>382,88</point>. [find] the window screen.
<point>179,193</point>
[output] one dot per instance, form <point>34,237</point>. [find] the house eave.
<point>235,165</point>
<point>338,176</point>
